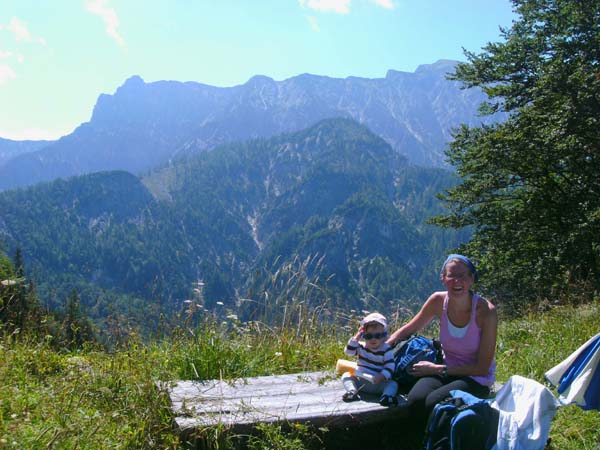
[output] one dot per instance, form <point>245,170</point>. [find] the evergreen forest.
<point>334,198</point>
<point>259,257</point>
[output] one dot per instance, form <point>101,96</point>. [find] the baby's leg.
<point>350,382</point>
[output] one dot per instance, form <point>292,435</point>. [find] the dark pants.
<point>429,391</point>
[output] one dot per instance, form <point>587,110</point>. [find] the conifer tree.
<point>22,308</point>
<point>76,327</point>
<point>18,263</point>
<point>531,184</point>
<point>6,277</point>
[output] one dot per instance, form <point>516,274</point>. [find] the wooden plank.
<point>312,397</point>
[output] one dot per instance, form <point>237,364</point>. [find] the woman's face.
<point>457,278</point>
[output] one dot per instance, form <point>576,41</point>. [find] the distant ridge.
<point>146,125</point>
<point>10,149</point>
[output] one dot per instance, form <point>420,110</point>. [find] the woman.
<point>468,330</point>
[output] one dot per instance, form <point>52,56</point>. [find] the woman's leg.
<point>428,391</point>
<point>464,384</point>
<point>419,393</point>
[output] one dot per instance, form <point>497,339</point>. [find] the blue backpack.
<point>462,422</point>
<point>415,349</point>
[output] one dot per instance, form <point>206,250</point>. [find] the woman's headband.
<point>463,259</point>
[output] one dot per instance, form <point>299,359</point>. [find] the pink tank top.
<point>463,350</point>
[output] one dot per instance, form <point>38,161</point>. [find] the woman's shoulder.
<point>438,296</point>
<point>485,308</point>
<point>435,302</point>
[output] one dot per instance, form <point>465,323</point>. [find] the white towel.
<point>526,411</point>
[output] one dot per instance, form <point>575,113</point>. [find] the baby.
<point>375,362</point>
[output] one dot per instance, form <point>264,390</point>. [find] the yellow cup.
<point>343,365</point>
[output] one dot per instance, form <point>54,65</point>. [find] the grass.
<point>536,342</point>
<point>89,399</point>
<point>93,399</point>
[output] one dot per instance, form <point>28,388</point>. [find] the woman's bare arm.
<point>430,309</point>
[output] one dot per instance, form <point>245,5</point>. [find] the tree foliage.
<point>19,306</point>
<point>76,327</point>
<point>531,184</point>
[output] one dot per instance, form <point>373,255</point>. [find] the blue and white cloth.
<point>578,376</point>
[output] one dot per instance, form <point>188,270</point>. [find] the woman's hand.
<point>425,368</point>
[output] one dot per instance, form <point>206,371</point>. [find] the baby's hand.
<point>378,378</point>
<point>359,333</point>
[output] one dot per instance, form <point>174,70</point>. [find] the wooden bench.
<point>312,398</point>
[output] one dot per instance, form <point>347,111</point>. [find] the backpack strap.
<point>468,399</point>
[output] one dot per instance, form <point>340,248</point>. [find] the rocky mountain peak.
<point>144,125</point>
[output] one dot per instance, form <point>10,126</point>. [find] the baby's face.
<point>374,335</point>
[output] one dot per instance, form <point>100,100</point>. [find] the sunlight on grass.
<point>533,344</point>
<point>96,399</point>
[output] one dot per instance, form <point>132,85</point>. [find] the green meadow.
<point>95,398</point>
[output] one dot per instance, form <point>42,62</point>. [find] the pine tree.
<point>76,327</point>
<point>22,308</point>
<point>531,184</point>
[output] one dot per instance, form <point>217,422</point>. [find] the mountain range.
<point>147,125</point>
<point>10,149</point>
<point>335,191</point>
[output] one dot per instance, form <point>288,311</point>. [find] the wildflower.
<point>278,354</point>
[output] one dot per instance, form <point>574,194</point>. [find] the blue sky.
<point>58,56</point>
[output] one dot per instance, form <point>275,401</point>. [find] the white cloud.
<point>340,6</point>
<point>6,74</point>
<point>22,33</point>
<point>4,54</point>
<point>336,6</point>
<point>387,4</point>
<point>20,30</point>
<point>313,23</point>
<point>109,16</point>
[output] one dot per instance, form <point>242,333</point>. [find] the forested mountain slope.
<point>335,191</point>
